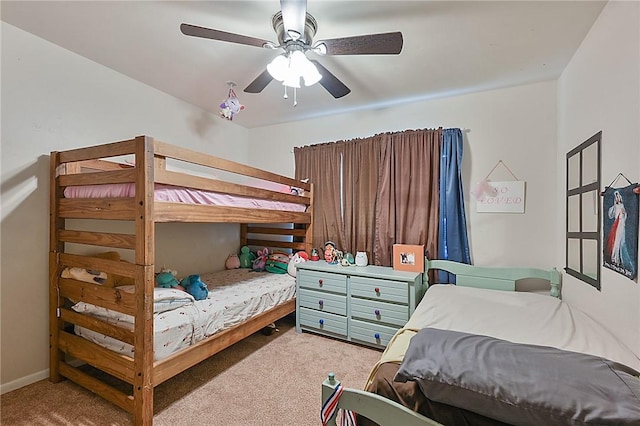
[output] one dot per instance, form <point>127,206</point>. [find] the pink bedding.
<point>175,194</point>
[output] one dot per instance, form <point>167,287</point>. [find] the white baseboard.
<point>24,381</point>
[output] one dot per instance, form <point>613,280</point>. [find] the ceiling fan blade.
<point>370,44</point>
<point>261,81</point>
<point>195,31</point>
<point>294,14</point>
<point>331,82</point>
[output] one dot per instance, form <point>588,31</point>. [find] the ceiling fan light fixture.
<point>292,80</point>
<point>290,67</point>
<point>311,74</point>
<point>279,67</point>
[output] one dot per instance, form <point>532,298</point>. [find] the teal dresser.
<point>363,304</point>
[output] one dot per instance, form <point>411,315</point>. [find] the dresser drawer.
<point>379,312</point>
<point>391,291</point>
<point>323,321</point>
<point>322,281</point>
<point>324,302</point>
<point>371,333</point>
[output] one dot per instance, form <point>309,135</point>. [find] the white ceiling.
<point>450,47</point>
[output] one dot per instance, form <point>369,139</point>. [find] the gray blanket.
<point>521,384</point>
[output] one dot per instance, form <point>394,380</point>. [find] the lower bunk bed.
<point>179,321</point>
<point>478,356</point>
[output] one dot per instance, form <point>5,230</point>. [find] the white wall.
<point>515,125</point>
<point>600,90</point>
<point>53,99</point>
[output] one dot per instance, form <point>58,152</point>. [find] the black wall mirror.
<point>583,248</point>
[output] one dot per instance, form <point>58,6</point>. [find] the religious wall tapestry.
<point>620,227</point>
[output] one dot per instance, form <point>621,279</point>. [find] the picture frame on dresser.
<point>407,257</point>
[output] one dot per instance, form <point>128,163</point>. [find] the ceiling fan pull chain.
<point>295,97</point>
<point>285,92</point>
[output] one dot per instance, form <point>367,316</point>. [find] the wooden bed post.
<point>308,239</point>
<point>244,230</point>
<point>144,283</point>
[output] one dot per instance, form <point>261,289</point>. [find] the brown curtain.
<point>321,165</point>
<point>361,164</point>
<point>407,202</point>
<point>371,193</point>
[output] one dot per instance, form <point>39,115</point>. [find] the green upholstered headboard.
<point>497,278</point>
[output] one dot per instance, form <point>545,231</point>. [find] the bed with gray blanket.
<point>477,356</point>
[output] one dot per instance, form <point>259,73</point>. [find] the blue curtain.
<point>453,243</point>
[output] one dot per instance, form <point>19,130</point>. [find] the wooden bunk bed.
<point>474,353</point>
<point>103,165</point>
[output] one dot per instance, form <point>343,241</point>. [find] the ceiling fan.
<point>295,29</point>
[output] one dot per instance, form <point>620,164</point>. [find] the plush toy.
<point>277,263</point>
<point>260,261</point>
<point>232,262</point>
<point>167,279</point>
<point>86,275</point>
<point>195,287</point>
<point>230,106</point>
<point>299,257</point>
<point>246,257</point>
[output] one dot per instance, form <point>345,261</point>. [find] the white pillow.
<point>165,299</point>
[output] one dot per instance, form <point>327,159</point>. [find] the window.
<point>583,249</point>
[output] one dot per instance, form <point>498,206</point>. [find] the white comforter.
<point>518,317</point>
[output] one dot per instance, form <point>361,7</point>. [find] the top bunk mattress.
<point>176,194</point>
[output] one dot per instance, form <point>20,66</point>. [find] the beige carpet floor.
<point>262,380</point>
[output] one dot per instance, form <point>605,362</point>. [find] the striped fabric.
<point>347,418</point>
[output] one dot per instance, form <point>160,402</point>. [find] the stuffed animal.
<point>299,257</point>
<point>350,258</point>
<point>277,263</point>
<point>86,275</point>
<point>167,279</point>
<point>232,262</point>
<point>195,287</point>
<point>230,107</point>
<point>246,257</point>
<point>260,261</point>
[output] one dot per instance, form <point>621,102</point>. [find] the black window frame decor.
<point>584,191</point>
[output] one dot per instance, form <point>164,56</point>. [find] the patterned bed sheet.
<point>175,194</point>
<point>235,295</point>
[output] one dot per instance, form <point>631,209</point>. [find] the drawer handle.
<point>377,312</point>
<point>320,282</point>
<point>377,336</point>
<point>377,290</point>
<point>320,302</point>
<point>321,321</point>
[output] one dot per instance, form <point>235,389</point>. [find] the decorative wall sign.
<point>620,225</point>
<point>509,198</point>
<point>499,197</point>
